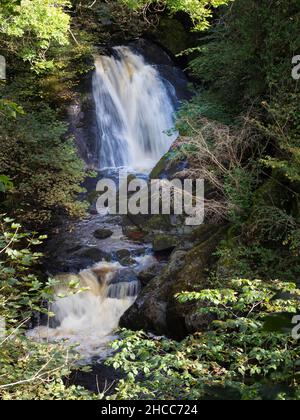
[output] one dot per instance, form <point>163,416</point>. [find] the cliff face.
<point>83,125</point>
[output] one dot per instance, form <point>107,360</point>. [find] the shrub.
<point>243,356</point>
<point>28,370</point>
<point>43,166</point>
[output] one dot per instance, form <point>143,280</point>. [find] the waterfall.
<point>134,111</point>
<point>88,318</point>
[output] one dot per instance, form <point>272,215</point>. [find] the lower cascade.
<point>134,110</point>
<point>87,315</point>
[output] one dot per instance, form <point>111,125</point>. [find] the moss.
<point>164,243</point>
<point>159,168</point>
<point>159,222</point>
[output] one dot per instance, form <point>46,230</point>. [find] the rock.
<point>150,309</point>
<point>156,309</point>
<point>127,261</point>
<point>133,232</point>
<point>103,233</point>
<point>94,254</point>
<point>149,273</point>
<point>183,319</point>
<point>164,242</point>
<point>96,378</point>
<point>168,167</point>
<point>172,34</point>
<point>123,253</point>
<point>83,122</point>
<point>158,222</point>
<point>124,275</point>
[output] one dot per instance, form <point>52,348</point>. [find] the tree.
<point>200,11</point>
<point>28,28</point>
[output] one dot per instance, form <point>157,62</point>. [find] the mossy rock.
<point>183,319</point>
<point>156,308</point>
<point>157,222</point>
<point>202,233</point>
<point>133,232</point>
<point>164,243</point>
<point>127,261</point>
<point>158,171</point>
<point>146,275</point>
<point>123,253</point>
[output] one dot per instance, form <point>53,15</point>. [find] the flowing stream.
<point>134,110</point>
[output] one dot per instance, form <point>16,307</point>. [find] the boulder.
<point>149,312</point>
<point>156,308</point>
<point>94,254</point>
<point>127,261</point>
<point>103,233</point>
<point>163,242</point>
<point>149,273</point>
<point>123,253</point>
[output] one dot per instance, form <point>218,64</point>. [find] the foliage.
<point>244,64</point>
<point>237,358</point>
<point>28,370</point>
<point>199,11</point>
<point>222,155</point>
<point>43,167</point>
<point>248,53</point>
<point>30,27</point>
<point>237,257</point>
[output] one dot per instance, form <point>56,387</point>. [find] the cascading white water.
<point>134,111</point>
<point>89,318</point>
<point>135,116</point>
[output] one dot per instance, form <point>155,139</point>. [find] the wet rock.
<point>94,254</point>
<point>183,319</point>
<point>168,167</point>
<point>164,242</point>
<point>133,232</point>
<point>125,275</point>
<point>150,309</point>
<point>149,273</point>
<point>155,55</point>
<point>123,253</point>
<point>103,233</point>
<point>127,261</point>
<point>82,119</point>
<point>99,378</point>
<point>156,308</point>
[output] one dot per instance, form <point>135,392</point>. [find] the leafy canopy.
<point>31,27</point>
<point>199,10</point>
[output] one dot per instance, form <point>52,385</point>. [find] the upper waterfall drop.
<point>134,111</point>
